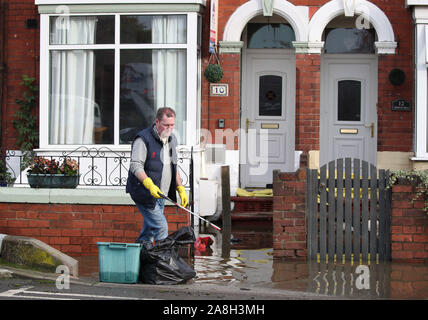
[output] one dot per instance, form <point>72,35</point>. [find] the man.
<point>153,170</point>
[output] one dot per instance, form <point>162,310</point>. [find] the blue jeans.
<point>155,226</point>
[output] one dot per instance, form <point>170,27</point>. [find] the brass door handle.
<point>247,124</point>
<point>371,126</point>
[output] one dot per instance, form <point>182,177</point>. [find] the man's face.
<point>165,126</point>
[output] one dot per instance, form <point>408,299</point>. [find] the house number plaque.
<point>401,105</point>
<point>219,90</point>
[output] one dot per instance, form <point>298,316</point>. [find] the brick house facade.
<point>20,56</point>
<point>398,136</point>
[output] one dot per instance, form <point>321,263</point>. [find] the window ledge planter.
<point>52,181</point>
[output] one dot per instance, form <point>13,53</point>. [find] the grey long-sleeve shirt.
<point>138,159</point>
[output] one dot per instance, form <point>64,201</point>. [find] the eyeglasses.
<point>167,125</point>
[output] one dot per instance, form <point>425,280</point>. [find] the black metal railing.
<point>98,167</point>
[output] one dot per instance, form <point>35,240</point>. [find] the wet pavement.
<point>250,264</point>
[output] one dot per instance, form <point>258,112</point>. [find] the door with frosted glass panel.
<point>267,116</point>
<point>348,121</point>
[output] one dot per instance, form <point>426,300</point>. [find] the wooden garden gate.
<point>353,221</point>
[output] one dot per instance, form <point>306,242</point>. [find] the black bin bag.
<point>161,263</point>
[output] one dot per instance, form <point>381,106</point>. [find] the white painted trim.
<point>71,196</point>
<point>230,46</point>
<point>419,159</point>
<point>116,109</point>
<point>308,47</point>
<point>416,3</point>
<point>385,47</point>
<point>377,18</point>
<point>420,15</point>
<point>421,98</point>
<point>63,2</point>
<point>426,41</point>
<point>191,48</point>
<point>368,115</point>
<point>293,14</point>
<point>192,78</point>
<point>44,82</point>
<point>311,31</point>
<point>288,57</point>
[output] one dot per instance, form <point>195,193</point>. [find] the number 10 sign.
<point>219,90</point>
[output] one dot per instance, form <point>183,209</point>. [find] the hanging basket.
<point>213,73</point>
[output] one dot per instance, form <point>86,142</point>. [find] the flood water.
<point>257,268</point>
<point>250,264</point>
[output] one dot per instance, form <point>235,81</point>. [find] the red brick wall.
<point>307,102</point>
<point>76,229</point>
<point>289,213</point>
<point>289,226</point>
<point>408,281</point>
<point>395,129</point>
<point>409,225</point>
<point>225,8</point>
<point>395,132</point>
<point>215,108</point>
<point>21,56</point>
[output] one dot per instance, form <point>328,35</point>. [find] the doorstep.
<point>252,204</point>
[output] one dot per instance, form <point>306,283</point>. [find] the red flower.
<point>41,165</point>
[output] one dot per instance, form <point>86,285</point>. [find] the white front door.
<point>348,120</point>
<point>267,115</point>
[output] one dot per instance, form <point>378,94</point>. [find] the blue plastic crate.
<point>119,262</point>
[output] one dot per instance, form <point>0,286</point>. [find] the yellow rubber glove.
<point>154,189</point>
<point>183,196</point>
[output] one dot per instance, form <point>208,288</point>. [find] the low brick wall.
<point>409,281</point>
<point>289,214</point>
<point>75,229</point>
<point>409,223</point>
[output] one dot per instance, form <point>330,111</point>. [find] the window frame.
<point>335,114</point>
<point>420,139</point>
<point>337,106</point>
<point>192,86</point>
<point>328,30</point>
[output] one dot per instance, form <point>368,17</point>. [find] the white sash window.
<point>104,75</point>
<point>72,90</point>
<point>421,97</point>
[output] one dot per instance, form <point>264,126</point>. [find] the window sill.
<point>84,148</point>
<point>419,158</point>
<point>66,196</point>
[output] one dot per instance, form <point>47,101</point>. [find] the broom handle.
<point>176,204</point>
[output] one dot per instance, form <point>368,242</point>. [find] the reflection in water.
<point>348,280</point>
<point>257,268</point>
<point>249,266</point>
<point>216,269</point>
